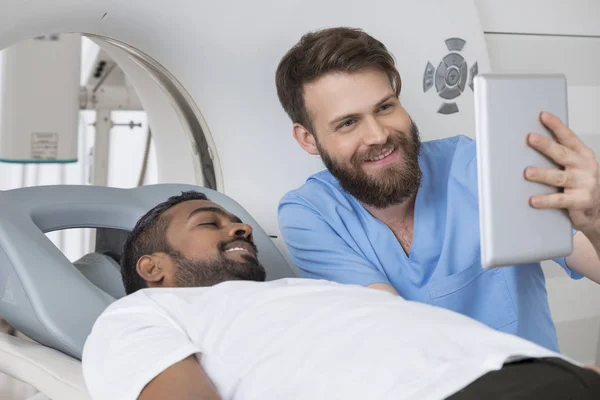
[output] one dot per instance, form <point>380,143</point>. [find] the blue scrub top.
<point>330,235</point>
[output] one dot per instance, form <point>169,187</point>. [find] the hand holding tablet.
<point>528,216</point>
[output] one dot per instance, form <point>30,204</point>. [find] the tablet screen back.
<point>507,108</point>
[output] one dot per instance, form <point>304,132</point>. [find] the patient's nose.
<point>241,230</point>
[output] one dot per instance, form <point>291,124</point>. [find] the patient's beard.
<point>200,273</point>
<point>393,185</point>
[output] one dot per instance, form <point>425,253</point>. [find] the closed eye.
<point>208,224</point>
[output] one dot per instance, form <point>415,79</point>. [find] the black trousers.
<point>545,378</point>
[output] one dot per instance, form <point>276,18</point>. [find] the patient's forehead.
<point>181,212</point>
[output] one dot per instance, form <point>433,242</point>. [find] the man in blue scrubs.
<point>399,215</point>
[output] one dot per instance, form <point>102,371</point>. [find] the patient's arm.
<point>185,380</point>
<point>593,368</point>
<point>383,286</point>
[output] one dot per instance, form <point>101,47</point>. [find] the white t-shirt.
<point>294,339</point>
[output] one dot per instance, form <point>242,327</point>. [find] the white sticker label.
<point>44,145</point>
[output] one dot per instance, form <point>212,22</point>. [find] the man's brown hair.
<point>327,51</point>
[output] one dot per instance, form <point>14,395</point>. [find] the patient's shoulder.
<point>136,308</point>
<point>138,300</point>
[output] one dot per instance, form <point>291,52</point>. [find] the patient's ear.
<point>151,269</point>
<point>305,139</point>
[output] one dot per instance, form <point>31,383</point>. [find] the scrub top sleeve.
<point>563,263</point>
<point>318,251</point>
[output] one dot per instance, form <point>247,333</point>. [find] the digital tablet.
<point>507,108</point>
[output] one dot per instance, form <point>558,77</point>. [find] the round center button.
<point>452,76</point>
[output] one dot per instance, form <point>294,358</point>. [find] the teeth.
<point>235,249</point>
<point>382,155</point>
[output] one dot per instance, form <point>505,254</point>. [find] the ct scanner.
<point>204,73</point>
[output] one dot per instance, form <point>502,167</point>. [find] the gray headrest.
<point>56,303</point>
<point>103,271</point>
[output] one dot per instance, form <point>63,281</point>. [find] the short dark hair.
<point>325,51</point>
<point>149,236</point>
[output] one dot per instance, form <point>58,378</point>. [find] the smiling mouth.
<point>236,249</point>
<point>381,155</point>
<point>240,246</point>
